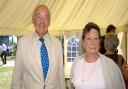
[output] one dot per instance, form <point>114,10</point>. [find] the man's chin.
<point>43,33</point>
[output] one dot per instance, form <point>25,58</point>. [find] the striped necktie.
<point>44,58</point>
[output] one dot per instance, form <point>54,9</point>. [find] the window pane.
<point>73,54</point>
<point>69,59</point>
<point>69,48</point>
<point>74,44</point>
<point>73,48</point>
<point>69,42</point>
<point>72,59</point>
<point>68,54</point>
<point>78,49</point>
<point>72,40</point>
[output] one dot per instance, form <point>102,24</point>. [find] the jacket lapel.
<point>37,61</point>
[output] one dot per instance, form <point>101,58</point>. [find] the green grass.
<point>10,58</point>
<point>5,77</point>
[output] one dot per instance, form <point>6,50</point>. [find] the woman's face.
<point>91,42</point>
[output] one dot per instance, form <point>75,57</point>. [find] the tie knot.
<point>41,40</point>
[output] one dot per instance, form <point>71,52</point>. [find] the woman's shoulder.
<point>108,63</point>
<point>76,62</point>
<point>107,60</point>
<point>77,59</point>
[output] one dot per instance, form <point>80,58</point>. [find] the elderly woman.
<point>94,70</point>
<point>111,44</point>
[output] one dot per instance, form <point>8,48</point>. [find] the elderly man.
<point>39,59</point>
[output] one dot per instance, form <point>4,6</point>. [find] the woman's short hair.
<point>90,26</point>
<point>111,41</point>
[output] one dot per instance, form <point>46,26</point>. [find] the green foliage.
<point>14,47</point>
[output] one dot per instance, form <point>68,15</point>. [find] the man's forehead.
<point>42,9</point>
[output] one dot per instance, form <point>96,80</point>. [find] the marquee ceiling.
<point>67,15</point>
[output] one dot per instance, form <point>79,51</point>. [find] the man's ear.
<point>33,20</point>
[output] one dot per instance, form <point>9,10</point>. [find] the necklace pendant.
<point>82,80</point>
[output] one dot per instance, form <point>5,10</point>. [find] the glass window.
<point>69,48</point>
<point>73,48</point>
<point>74,54</point>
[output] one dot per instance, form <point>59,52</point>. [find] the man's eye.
<point>38,17</point>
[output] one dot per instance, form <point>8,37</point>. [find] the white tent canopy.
<point>15,15</point>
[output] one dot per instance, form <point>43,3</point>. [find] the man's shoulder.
<point>54,39</point>
<point>27,37</point>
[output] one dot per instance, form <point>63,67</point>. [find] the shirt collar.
<point>45,37</point>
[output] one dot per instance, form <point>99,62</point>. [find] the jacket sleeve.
<point>120,78</point>
<point>18,69</point>
<point>61,68</point>
<point>116,77</point>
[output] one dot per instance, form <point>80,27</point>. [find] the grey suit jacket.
<point>28,71</point>
<point>111,72</point>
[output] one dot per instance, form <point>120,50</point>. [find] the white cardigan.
<point>111,72</point>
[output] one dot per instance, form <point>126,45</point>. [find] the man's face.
<point>41,20</point>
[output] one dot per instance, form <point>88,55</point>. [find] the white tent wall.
<point>122,48</point>
<point>15,15</point>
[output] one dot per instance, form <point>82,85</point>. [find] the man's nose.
<point>42,20</point>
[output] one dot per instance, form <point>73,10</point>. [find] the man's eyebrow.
<point>38,14</point>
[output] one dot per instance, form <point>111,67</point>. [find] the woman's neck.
<point>91,57</point>
<point>109,52</point>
